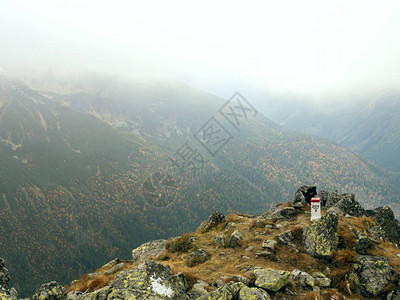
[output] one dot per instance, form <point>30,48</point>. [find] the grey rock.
<point>321,280</point>
<point>249,248</point>
<point>213,220</point>
<point>305,279</point>
<point>262,253</point>
<point>50,291</point>
<point>235,239</point>
<point>373,273</point>
<point>115,269</point>
<point>362,243</point>
<point>320,238</point>
<point>303,195</point>
<point>198,256</point>
<point>220,240</point>
<point>100,294</point>
<point>227,292</point>
<point>347,204</point>
<point>4,275</point>
<point>271,279</point>
<point>390,227</point>
<point>230,226</point>
<point>149,280</point>
<point>269,244</point>
<point>74,295</point>
<point>333,198</point>
<point>376,234</point>
<point>247,293</point>
<point>218,283</point>
<point>394,295</point>
<point>277,213</point>
<point>112,263</point>
<point>323,195</point>
<point>149,250</point>
<point>242,279</point>
<point>286,238</point>
<point>198,289</point>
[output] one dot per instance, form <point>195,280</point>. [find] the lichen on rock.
<point>320,238</point>
<point>271,279</point>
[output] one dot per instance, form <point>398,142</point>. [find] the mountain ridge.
<point>78,193</point>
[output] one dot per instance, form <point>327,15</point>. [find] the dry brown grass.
<point>390,251</point>
<point>191,278</point>
<point>232,263</point>
<point>289,204</point>
<point>313,295</point>
<point>334,294</point>
<point>85,283</point>
<point>363,223</point>
<point>297,232</point>
<point>346,233</point>
<point>344,257</point>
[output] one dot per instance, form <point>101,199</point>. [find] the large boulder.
<point>50,291</point>
<point>150,280</point>
<point>320,238</point>
<point>149,250</point>
<point>347,205</point>
<point>303,195</point>
<point>390,227</point>
<point>271,279</point>
<point>373,274</point>
<point>213,220</point>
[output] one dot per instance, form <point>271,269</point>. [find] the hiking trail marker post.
<point>315,208</point>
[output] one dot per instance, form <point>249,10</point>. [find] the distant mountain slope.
<point>370,127</point>
<point>75,191</point>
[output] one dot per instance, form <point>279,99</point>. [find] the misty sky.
<point>305,47</point>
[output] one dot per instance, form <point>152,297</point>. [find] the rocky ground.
<point>350,253</point>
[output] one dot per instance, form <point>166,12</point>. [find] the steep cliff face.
<point>280,254</point>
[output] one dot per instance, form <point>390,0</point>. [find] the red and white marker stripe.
<point>315,208</point>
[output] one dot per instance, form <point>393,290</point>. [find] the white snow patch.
<point>159,288</point>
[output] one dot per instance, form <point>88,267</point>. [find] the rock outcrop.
<point>6,293</point>
<point>50,291</point>
<point>149,250</point>
<point>149,280</point>
<point>280,254</point>
<point>303,195</point>
<point>213,220</point>
<point>390,227</point>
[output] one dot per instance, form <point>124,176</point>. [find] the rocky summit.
<point>349,253</point>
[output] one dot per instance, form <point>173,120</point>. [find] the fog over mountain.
<point>311,48</point>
